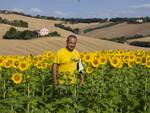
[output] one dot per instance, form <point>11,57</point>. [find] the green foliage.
<point>76,30</point>
<point>124,39</point>
<point>11,33</point>
<point>106,90</point>
<point>55,33</point>
<point>140,43</point>
<point>19,23</point>
<point>14,34</point>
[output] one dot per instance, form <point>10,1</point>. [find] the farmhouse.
<point>43,32</point>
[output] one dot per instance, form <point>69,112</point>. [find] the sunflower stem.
<point>28,105</point>
<point>4,86</point>
<point>145,94</point>
<point>12,108</point>
<point>43,89</point>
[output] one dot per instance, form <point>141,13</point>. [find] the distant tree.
<point>55,33</point>
<point>11,33</point>
<point>1,20</point>
<point>19,23</point>
<point>14,34</point>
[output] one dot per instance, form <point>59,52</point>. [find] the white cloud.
<point>143,6</point>
<point>60,13</point>
<point>36,10</point>
<point>17,10</point>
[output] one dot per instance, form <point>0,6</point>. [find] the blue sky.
<point>82,9</point>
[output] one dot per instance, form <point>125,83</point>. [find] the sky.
<point>80,8</point>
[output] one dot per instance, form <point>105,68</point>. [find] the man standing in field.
<point>66,61</point>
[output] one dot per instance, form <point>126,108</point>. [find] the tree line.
<point>76,30</point>
<point>82,20</point>
<point>130,20</point>
<point>19,23</point>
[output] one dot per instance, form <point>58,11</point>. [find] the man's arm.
<point>54,73</point>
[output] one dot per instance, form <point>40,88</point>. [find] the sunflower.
<point>17,78</point>
<point>89,70</point>
<point>38,65</point>
<point>120,65</point>
<point>125,58</point>
<point>41,65</point>
<point>61,82</point>
<point>8,63</point>
<point>44,65</point>
<point>130,64</point>
<point>116,62</point>
<point>1,61</point>
<point>132,57</point>
<point>72,79</point>
<point>147,64</point>
<point>138,52</point>
<point>87,58</point>
<point>23,66</point>
<point>40,58</point>
<point>143,60</point>
<point>148,58</point>
<point>82,55</point>
<point>138,60</point>
<point>16,63</point>
<point>95,62</point>
<point>103,60</point>
<point>48,54</point>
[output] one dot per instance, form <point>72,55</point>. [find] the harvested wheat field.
<point>145,39</point>
<point>122,29</point>
<point>81,25</point>
<point>37,46</point>
<point>90,26</point>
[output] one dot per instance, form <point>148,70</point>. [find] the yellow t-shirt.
<point>66,60</point>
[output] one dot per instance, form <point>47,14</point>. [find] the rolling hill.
<point>122,29</point>
<point>37,46</point>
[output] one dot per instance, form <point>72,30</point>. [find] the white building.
<point>139,20</point>
<point>43,32</point>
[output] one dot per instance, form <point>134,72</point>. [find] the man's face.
<point>71,43</point>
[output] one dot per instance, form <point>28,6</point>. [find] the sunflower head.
<point>116,62</point>
<point>95,62</point>
<point>23,66</point>
<point>87,58</point>
<point>72,80</point>
<point>103,60</point>
<point>89,70</point>
<point>147,64</point>
<point>17,78</point>
<point>1,61</point>
<point>61,82</point>
<point>16,63</point>
<point>130,64</point>
<point>7,63</point>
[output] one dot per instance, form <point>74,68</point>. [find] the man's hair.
<point>71,36</point>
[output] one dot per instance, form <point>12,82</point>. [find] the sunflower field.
<point>115,81</point>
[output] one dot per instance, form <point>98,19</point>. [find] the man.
<point>66,60</point>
